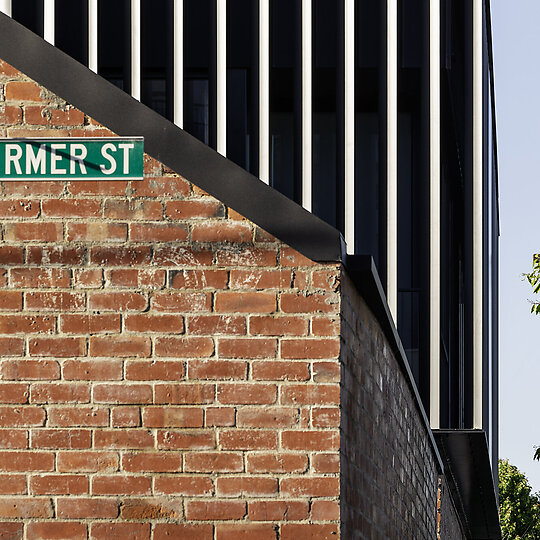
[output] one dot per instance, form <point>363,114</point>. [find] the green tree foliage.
<point>519,509</point>
<point>534,279</point>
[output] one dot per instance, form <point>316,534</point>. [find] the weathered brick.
<point>213,462</point>
<point>59,393</point>
<point>215,510</point>
<point>278,510</point>
<point>120,346</point>
<point>157,462</point>
<point>184,394</point>
<point>85,508</point>
<point>247,531</point>
<point>121,485</point>
<point>164,417</point>
<point>25,508</point>
<point>155,370</point>
<point>87,461</point>
<point>199,279</point>
<point>69,439</point>
<point>245,302</point>
<point>133,531</point>
<point>188,347</point>
<point>247,394</point>
<point>188,486</point>
<point>276,463</point>
<point>59,484</point>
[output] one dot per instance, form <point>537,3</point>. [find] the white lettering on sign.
<point>77,158</point>
<point>55,158</point>
<point>35,161</point>
<point>104,149</point>
<point>13,158</point>
<point>126,147</point>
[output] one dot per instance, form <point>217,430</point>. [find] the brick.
<point>309,487</point>
<point>161,186</point>
<point>247,394</point>
<point>13,438</point>
<point>217,369</point>
<point>261,279</point>
<point>280,371</point>
<point>29,369</point>
<point>8,70</point>
<point>310,440</point>
<point>247,347</point>
<point>194,209</point>
<point>59,393</point>
<point>179,417</point>
<point>121,485</point>
<point>142,278</point>
<point>120,346</point>
<point>97,187</point>
<point>11,255</point>
<point>58,347</point>
<point>68,117</point>
<point>10,301</point>
<point>311,394</point>
<point>34,188</point>
<point>184,394</point>
<point>215,510</point>
<point>291,257</point>
<point>278,510</point>
<point>313,303</point>
<point>157,462</point>
<point>159,370</point>
<point>198,279</point>
<point>278,326</point>
<point>26,461</point>
<point>55,301</point>
<point>247,439</point>
<point>310,348</point>
<point>71,208</point>
<point>182,256</point>
<point>309,531</point>
<point>245,302</point>
<point>120,256</point>
<point>325,463</point>
<point>11,346</point>
<point>21,416</point>
<point>267,417</point>
<point>118,301</point>
<point>326,372</point>
<point>83,508</point>
<point>36,115</point>
<point>247,531</point>
<point>163,531</point>
<point>78,416</point>
<point>18,208</point>
<point>249,256</point>
<point>12,484</point>
<point>123,439</point>
<point>132,209</point>
<point>37,232</point>
<point>188,347</point>
<point>87,461</point>
<point>216,324</point>
<point>25,508</point>
<point>125,417</point>
<point>10,114</point>
<point>155,232</point>
<point>92,370</point>
<point>122,393</point>
<point>325,511</point>
<point>155,508</point>
<point>69,439</point>
<point>56,254</point>
<point>165,324</point>
<point>325,417</point>
<point>240,487</point>
<point>88,279</point>
<point>220,416</point>
<point>213,462</point>
<point>59,484</point>
<point>186,440</point>
<point>133,531</point>
<point>188,486</point>
<point>23,91</point>
<point>182,302</point>
<point>13,393</point>
<point>222,231</point>
<point>40,277</point>
<point>276,463</point>
<point>90,324</point>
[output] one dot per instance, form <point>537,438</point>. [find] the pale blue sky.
<point>516,43</point>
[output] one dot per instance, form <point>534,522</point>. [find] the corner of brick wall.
<point>168,369</point>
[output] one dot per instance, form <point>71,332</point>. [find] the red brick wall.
<point>167,368</point>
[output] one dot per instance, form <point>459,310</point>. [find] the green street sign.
<point>81,158</point>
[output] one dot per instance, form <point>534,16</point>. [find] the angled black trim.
<point>466,458</point>
<point>169,144</point>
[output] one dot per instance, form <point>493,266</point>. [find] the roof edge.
<point>166,142</point>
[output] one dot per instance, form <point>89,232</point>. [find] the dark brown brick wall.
<point>389,478</point>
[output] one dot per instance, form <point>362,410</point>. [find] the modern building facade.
<point>362,136</point>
